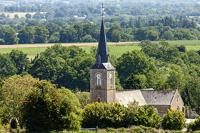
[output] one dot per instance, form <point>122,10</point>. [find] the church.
<point>102,85</point>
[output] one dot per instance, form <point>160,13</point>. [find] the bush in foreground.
<point>194,125</point>
<point>142,115</point>
<point>103,115</point>
<point>173,120</point>
<point>13,93</point>
<point>49,108</point>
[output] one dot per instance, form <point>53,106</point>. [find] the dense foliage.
<point>50,109</point>
<point>173,120</point>
<point>195,125</point>
<point>156,65</point>
<point>16,62</point>
<point>117,30</point>
<point>38,105</point>
<point>142,115</point>
<point>105,115</point>
<point>13,93</point>
<point>64,66</point>
<point>83,97</point>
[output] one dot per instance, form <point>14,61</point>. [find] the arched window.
<point>110,80</point>
<point>98,79</point>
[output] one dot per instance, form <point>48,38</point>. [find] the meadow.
<point>115,50</point>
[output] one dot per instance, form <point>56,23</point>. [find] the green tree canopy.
<point>7,67</point>
<point>49,108</point>
<point>65,66</point>
<point>26,35</point>
<point>20,60</point>
<point>134,62</point>
<point>41,34</point>
<point>173,120</point>
<point>14,91</point>
<point>103,115</point>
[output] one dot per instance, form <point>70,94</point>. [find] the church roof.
<point>158,97</point>
<point>126,97</point>
<point>145,97</point>
<point>107,66</point>
<point>102,50</point>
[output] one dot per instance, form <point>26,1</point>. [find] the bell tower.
<point>102,73</point>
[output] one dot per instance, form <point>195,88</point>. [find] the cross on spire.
<point>102,10</point>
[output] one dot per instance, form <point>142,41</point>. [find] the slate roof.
<point>107,66</point>
<point>126,97</point>
<point>145,97</point>
<point>102,55</point>
<point>156,97</point>
<point>102,50</point>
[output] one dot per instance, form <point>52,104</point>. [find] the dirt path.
<point>63,44</point>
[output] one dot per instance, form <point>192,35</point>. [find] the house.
<point>102,85</point>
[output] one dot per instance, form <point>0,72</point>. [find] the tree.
<point>142,115</point>
<point>134,62</point>
<point>168,35</point>
<point>162,51</point>
<point>103,115</point>
<point>20,60</point>
<point>26,35</point>
<point>88,38</point>
<point>191,93</point>
<point>64,66</point>
<point>9,35</point>
<point>2,41</point>
<point>54,38</point>
<point>173,120</point>
<point>68,34</point>
<point>152,34</point>
<point>49,108</point>
<point>114,34</point>
<point>7,68</point>
<point>13,93</point>
<point>195,125</point>
<point>28,16</point>
<point>176,78</point>
<point>84,98</point>
<point>41,34</point>
<point>138,81</point>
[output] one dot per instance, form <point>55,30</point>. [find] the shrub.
<point>50,109</point>
<point>0,123</point>
<point>194,125</point>
<point>173,120</point>
<point>103,115</point>
<point>83,98</point>
<point>142,129</point>
<point>143,115</point>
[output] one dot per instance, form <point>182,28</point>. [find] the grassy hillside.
<point>115,50</point>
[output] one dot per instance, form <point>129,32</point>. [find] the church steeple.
<point>102,50</point>
<point>102,73</point>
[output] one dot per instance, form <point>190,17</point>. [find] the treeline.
<point>113,8</point>
<point>168,28</point>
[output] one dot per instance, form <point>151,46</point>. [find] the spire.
<point>102,52</point>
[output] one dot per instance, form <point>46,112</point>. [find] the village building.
<point>102,85</point>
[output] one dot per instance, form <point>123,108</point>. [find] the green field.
<point>114,50</point>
